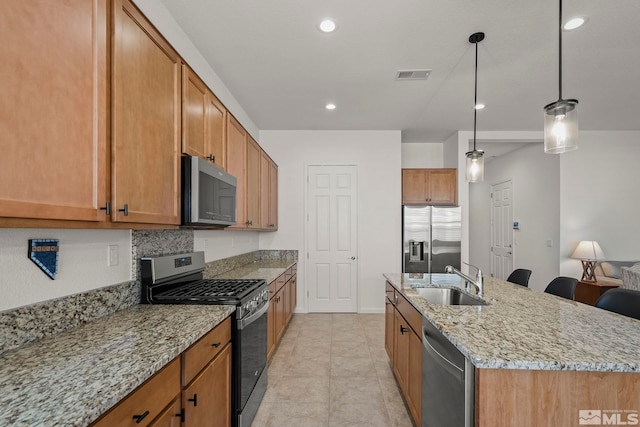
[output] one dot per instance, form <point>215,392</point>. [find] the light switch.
<point>549,243</point>
<point>114,255</point>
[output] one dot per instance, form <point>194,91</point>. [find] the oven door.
<point>251,363</point>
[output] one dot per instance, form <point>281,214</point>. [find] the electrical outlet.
<point>113,256</point>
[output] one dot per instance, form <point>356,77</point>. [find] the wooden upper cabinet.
<point>53,109</point>
<point>429,187</point>
<point>253,184</point>
<point>203,120</point>
<point>236,166</point>
<point>265,171</point>
<point>194,107</point>
<point>146,121</point>
<point>272,225</point>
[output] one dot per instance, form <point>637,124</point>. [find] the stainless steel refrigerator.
<point>430,238</point>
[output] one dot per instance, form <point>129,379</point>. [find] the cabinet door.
<point>207,401</point>
<point>194,105</point>
<point>389,317</point>
<point>146,402</point>
<point>237,164</point>
<point>265,188</point>
<point>273,196</point>
<point>271,326</point>
<point>442,187</point>
<point>170,417</point>
<point>215,131</point>
<point>280,314</point>
<point>401,351</point>
<point>294,295</point>
<point>53,109</point>
<point>146,110</point>
<point>253,184</point>
<point>414,378</point>
<point>414,187</point>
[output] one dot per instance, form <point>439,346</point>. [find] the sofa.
<point>625,274</point>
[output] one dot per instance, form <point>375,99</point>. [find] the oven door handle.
<point>246,321</point>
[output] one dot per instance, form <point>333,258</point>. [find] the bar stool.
<point>621,301</point>
<point>562,286</point>
<point>520,276</point>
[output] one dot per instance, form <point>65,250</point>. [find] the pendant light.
<point>475,158</point>
<point>561,117</point>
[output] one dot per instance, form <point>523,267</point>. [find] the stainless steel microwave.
<point>208,194</point>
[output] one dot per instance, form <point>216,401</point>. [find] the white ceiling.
<point>283,71</point>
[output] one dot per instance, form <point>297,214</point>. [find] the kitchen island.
<point>539,359</point>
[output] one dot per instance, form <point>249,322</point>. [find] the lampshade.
<point>475,166</point>
<point>588,250</point>
<point>561,126</point>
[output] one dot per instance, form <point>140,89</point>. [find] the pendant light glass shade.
<point>561,126</point>
<point>560,117</point>
<point>475,166</point>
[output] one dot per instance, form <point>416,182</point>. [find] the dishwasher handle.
<point>445,363</point>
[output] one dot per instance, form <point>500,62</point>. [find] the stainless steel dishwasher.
<point>447,382</point>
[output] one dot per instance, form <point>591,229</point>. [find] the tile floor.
<point>331,370</point>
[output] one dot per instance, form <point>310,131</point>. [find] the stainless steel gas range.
<point>178,279</point>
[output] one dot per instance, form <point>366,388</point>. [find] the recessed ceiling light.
<point>574,23</point>
<point>327,25</point>
<point>479,106</point>
<point>330,106</point>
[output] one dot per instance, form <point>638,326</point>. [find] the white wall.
<point>160,17</point>
<point>421,155</point>
<point>378,157</point>
<point>219,244</point>
<point>536,205</point>
<point>82,264</point>
<point>599,197</point>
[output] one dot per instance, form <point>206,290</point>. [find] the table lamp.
<point>588,251</point>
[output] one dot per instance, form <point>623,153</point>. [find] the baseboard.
<point>372,310</point>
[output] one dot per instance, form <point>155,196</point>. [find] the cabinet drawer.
<point>280,281</point>
<point>199,354</point>
<point>389,291</point>
<point>288,274</point>
<point>150,398</point>
<point>411,315</point>
<point>272,289</point>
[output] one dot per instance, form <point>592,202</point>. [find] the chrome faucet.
<point>477,282</point>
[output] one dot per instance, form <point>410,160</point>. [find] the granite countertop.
<point>71,378</point>
<point>523,328</point>
<point>268,270</point>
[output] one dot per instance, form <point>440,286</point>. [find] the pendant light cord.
<point>559,54</point>
<point>475,99</point>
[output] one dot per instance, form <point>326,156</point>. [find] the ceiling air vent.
<point>412,74</point>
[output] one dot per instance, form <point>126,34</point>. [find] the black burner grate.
<point>213,288</point>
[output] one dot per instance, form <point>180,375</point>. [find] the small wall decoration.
<point>44,254</point>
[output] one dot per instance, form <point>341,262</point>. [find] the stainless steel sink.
<point>448,296</point>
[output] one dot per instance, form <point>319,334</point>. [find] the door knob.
<point>353,258</point>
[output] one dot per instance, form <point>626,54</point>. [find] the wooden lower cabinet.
<point>281,306</point>
<point>529,398</point>
<point>193,390</point>
<point>403,343</point>
<point>170,417</point>
<point>146,402</point>
<point>389,314</point>
<point>207,400</point>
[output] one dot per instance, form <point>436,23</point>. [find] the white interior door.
<point>332,235</point>
<point>502,229</point>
